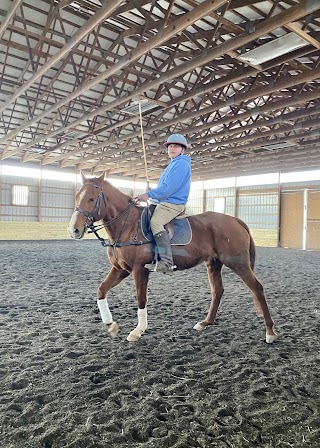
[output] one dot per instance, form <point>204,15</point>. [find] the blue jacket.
<point>174,183</point>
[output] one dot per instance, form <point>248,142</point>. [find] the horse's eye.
<point>91,199</point>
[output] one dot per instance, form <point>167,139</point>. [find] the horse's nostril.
<point>76,231</point>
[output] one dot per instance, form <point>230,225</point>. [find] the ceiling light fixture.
<point>279,145</point>
<point>144,104</point>
<point>274,49</point>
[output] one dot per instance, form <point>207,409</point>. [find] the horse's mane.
<point>115,192</point>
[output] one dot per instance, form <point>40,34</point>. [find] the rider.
<point>171,196</point>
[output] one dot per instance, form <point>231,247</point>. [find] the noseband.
<point>97,207</point>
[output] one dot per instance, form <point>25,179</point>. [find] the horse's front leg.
<point>114,277</point>
<point>141,277</point>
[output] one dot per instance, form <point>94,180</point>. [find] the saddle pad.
<point>182,233</point>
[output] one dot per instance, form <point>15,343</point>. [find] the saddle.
<point>179,228</point>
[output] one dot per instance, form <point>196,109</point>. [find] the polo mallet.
<point>143,147</point>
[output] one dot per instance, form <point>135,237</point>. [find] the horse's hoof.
<point>199,326</point>
<point>113,329</point>
<point>270,338</point>
<point>134,335</point>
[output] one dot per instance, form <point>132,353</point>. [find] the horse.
<point>217,240</point>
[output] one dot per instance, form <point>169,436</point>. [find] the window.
<point>20,195</point>
<point>219,205</point>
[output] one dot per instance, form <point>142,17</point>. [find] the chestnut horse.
<point>217,240</point>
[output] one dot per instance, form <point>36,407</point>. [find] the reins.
<point>95,229</point>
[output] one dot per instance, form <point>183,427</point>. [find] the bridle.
<point>97,207</point>
<point>91,228</point>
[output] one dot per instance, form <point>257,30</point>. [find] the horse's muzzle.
<point>75,233</point>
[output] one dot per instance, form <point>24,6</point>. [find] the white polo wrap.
<point>142,319</point>
<point>105,312</point>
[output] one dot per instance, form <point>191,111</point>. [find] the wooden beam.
<point>14,6</point>
<point>168,13</point>
<point>104,12</point>
<point>280,19</point>
<point>305,36</point>
<point>179,25</point>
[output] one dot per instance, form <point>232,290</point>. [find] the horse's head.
<point>89,202</point>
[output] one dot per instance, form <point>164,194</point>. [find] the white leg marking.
<point>270,338</point>
<point>136,334</point>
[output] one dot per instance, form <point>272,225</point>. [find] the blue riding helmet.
<point>177,139</point>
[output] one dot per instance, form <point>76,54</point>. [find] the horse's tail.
<point>252,246</point>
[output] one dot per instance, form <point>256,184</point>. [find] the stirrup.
<point>160,267</point>
<point>165,268</point>
<point>150,266</point>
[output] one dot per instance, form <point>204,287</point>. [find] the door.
<point>313,220</point>
<point>291,219</point>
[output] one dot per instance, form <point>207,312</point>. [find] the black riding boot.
<point>165,264</point>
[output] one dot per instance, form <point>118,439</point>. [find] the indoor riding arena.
<point>90,91</point>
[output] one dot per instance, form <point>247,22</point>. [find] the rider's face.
<point>174,150</point>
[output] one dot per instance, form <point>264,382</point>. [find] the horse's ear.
<point>83,178</point>
<point>103,175</point>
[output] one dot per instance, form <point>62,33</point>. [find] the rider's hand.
<point>142,197</point>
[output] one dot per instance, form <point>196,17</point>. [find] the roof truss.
<point>69,71</point>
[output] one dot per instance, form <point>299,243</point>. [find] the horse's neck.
<point>116,202</point>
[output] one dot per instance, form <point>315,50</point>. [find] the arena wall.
<point>273,214</point>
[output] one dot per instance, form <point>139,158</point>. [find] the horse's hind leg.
<point>114,277</point>
<point>256,288</point>
<point>214,267</point>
